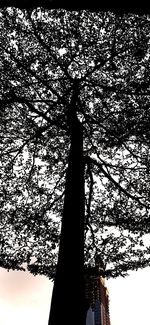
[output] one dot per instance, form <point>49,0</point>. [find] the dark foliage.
<point>94,6</point>
<point>103,60</point>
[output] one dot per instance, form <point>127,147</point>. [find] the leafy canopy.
<point>44,56</point>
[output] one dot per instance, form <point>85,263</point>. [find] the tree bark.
<point>94,5</point>
<point>68,304</point>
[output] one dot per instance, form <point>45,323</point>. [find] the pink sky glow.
<point>25,299</point>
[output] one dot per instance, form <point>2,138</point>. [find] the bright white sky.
<point>25,299</point>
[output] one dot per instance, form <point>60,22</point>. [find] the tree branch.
<point>37,134</point>
<point>33,163</point>
<point>32,73</point>
<point>89,172</point>
<point>112,180</point>
<point>32,108</point>
<point>88,216</point>
<point>44,45</point>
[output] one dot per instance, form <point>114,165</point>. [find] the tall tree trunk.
<point>68,303</point>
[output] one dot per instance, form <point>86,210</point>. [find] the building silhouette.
<point>97,296</point>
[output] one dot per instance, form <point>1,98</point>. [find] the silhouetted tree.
<point>74,146</point>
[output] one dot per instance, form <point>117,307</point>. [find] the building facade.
<point>97,297</point>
